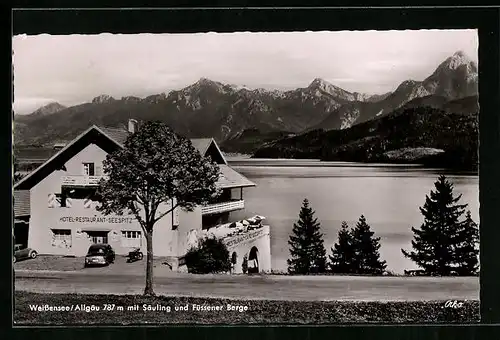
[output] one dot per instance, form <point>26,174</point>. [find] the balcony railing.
<point>81,181</point>
<point>222,207</point>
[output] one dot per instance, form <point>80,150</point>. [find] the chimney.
<point>132,125</point>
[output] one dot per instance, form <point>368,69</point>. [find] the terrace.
<point>81,181</point>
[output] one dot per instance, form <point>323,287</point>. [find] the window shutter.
<point>87,202</point>
<point>58,201</point>
<point>51,201</point>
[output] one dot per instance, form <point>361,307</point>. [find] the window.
<point>61,200</point>
<point>131,239</point>
<point>88,169</point>
<point>61,238</point>
<point>100,237</point>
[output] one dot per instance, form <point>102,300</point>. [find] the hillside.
<point>203,109</point>
<point>455,78</point>
<point>250,140</point>
<point>421,135</point>
<point>212,109</point>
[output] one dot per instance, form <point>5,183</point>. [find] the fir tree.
<point>435,243</point>
<point>466,247</point>
<point>307,251</point>
<point>341,260</point>
<point>366,250</point>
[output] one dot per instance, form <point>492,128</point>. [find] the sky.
<point>73,69</point>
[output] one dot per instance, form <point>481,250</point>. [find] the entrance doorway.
<point>100,237</point>
<point>21,233</point>
<point>253,261</point>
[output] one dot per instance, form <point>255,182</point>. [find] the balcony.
<point>222,207</point>
<point>81,181</point>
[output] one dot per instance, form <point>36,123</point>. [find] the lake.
<point>388,195</point>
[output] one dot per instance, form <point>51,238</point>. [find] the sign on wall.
<point>97,219</point>
<point>244,237</point>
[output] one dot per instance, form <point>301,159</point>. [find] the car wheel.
<point>141,256</point>
<point>33,254</point>
<point>14,259</point>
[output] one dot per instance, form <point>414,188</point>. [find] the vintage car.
<point>23,253</point>
<point>99,255</point>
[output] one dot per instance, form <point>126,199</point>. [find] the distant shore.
<point>430,163</point>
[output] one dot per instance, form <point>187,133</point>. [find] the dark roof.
<point>118,135</point>
<point>232,179</point>
<point>21,203</point>
<point>116,138</point>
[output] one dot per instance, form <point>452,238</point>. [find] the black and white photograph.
<point>244,178</point>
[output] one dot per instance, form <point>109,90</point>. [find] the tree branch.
<point>165,213</point>
<point>133,208</point>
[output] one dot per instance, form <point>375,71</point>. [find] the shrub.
<point>210,256</point>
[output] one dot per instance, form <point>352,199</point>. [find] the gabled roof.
<point>114,138</point>
<point>201,144</point>
<point>232,179</point>
<point>118,135</point>
<point>24,183</point>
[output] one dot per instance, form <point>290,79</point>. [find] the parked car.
<point>21,253</point>
<point>100,255</point>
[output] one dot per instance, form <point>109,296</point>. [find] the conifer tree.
<point>435,243</point>
<point>466,247</point>
<point>366,250</point>
<point>341,260</point>
<point>307,250</point>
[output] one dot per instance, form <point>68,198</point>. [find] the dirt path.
<point>311,288</point>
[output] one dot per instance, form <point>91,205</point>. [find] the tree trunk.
<point>149,264</point>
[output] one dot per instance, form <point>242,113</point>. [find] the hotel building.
<point>56,215</point>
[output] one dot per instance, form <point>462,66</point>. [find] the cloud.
<point>75,68</point>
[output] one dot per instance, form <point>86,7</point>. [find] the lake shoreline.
<point>430,163</point>
<point>389,195</point>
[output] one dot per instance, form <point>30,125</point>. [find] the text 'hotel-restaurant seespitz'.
<point>55,213</point>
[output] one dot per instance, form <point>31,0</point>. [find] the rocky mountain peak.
<point>205,81</point>
<point>49,109</point>
<point>103,98</point>
<point>458,60</point>
<point>318,86</point>
<point>454,78</point>
<point>405,85</point>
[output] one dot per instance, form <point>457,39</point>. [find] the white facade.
<point>59,226</point>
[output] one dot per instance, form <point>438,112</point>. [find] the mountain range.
<point>243,120</point>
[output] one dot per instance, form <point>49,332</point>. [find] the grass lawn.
<point>249,312</point>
